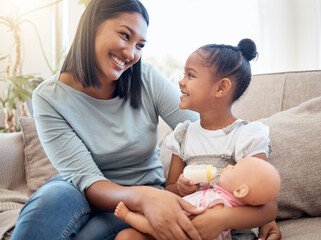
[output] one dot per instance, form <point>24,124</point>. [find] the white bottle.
<point>200,173</point>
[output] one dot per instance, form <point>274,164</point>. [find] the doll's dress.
<point>211,197</point>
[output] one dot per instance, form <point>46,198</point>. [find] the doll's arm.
<point>134,219</point>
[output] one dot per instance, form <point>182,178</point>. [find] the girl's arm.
<point>175,170</point>
<point>270,229</point>
<point>223,219</point>
<point>176,182</point>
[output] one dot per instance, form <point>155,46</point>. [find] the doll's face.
<point>233,175</point>
<point>254,181</point>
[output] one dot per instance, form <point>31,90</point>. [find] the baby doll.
<point>251,181</point>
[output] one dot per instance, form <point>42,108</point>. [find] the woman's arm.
<point>166,98</point>
<point>163,209</point>
<point>233,218</point>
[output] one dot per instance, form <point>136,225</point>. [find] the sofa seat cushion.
<point>295,140</point>
<point>301,229</point>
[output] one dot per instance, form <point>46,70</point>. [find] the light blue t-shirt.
<point>89,140</point>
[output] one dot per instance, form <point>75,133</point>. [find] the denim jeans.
<point>59,211</point>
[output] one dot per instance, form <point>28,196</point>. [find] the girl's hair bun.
<point>248,49</point>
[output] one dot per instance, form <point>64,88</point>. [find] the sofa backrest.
<point>277,92</point>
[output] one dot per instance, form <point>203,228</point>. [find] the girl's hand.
<point>164,210</point>
<point>270,231</point>
<point>185,186</point>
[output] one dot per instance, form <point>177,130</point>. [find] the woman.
<point>97,121</point>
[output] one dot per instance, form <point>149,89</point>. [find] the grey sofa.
<point>290,103</point>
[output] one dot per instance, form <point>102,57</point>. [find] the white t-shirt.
<point>240,139</point>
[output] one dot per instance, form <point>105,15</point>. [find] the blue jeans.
<point>59,211</point>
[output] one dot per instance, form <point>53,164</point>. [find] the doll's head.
<point>252,180</point>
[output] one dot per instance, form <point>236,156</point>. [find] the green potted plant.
<point>18,89</point>
<point>19,86</point>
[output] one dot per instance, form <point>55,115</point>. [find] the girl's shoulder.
<point>255,125</point>
<point>180,130</point>
<point>253,129</point>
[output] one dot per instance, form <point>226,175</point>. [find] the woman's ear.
<point>223,87</point>
<point>241,191</point>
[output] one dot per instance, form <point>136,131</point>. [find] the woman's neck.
<point>104,93</point>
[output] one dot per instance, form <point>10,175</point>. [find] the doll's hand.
<point>185,186</point>
<point>270,231</point>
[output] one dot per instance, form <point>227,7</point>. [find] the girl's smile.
<point>196,84</point>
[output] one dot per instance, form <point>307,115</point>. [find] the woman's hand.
<point>270,231</point>
<point>209,224</point>
<point>185,186</point>
<point>164,210</point>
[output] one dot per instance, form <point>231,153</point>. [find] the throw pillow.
<point>38,168</point>
<point>14,192</point>
<point>295,140</point>
<point>12,174</point>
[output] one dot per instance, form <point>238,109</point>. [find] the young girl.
<point>215,77</point>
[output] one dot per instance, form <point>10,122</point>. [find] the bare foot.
<point>121,211</point>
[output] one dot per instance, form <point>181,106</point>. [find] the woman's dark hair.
<point>80,60</point>
<point>231,62</point>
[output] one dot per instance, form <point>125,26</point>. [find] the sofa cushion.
<point>264,93</point>
<point>12,174</point>
<point>274,92</point>
<point>38,168</point>
<point>300,87</point>
<point>295,140</point>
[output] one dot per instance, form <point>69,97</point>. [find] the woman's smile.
<point>117,60</point>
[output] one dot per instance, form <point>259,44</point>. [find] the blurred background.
<point>35,35</point>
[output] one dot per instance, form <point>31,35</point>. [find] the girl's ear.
<point>223,87</point>
<point>241,191</point>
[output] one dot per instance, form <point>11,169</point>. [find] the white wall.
<point>44,20</point>
<point>290,35</point>
<point>287,32</point>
